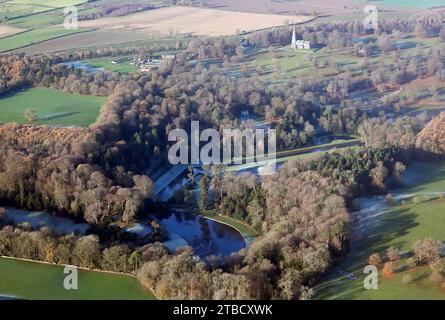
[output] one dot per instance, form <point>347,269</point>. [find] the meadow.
<point>53,107</point>
<point>123,65</point>
<point>50,3</point>
<point>401,226</point>
<point>291,64</point>
<point>11,10</point>
<point>33,36</point>
<point>35,21</point>
<point>36,281</point>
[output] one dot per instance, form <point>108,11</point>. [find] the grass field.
<point>33,36</point>
<point>401,227</point>
<point>122,67</point>
<point>53,107</point>
<point>50,3</point>
<point>10,10</point>
<point>37,281</point>
<point>39,18</point>
<point>283,63</point>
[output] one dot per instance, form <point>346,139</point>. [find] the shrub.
<point>437,271</point>
<point>393,254</point>
<point>427,250</point>
<point>407,279</point>
<point>389,199</point>
<point>388,269</point>
<point>375,259</point>
<point>411,263</point>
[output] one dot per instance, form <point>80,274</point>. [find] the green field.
<point>50,3</point>
<point>37,281</point>
<point>283,63</point>
<point>33,36</point>
<point>11,10</point>
<point>400,227</point>
<point>122,66</point>
<point>53,107</point>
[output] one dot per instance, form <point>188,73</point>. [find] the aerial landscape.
<point>222,150</point>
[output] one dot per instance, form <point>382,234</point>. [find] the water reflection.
<point>206,237</point>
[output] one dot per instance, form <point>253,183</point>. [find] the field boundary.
<point>33,13</point>
<point>43,41</point>
<point>16,34</point>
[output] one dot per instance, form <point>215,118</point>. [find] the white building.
<point>299,44</point>
<point>303,45</point>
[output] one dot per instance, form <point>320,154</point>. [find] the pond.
<point>83,66</point>
<point>206,237</point>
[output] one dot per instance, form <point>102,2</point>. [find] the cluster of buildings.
<point>148,64</point>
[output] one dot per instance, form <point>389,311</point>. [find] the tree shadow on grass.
<point>57,115</point>
<point>393,225</point>
<point>396,224</point>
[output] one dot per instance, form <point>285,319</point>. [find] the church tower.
<point>294,40</point>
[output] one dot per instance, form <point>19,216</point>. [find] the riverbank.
<point>248,233</point>
<point>42,281</point>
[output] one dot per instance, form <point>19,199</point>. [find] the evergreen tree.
<point>204,191</point>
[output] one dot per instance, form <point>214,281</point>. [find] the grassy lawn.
<point>400,227</point>
<point>123,65</point>
<point>51,3</point>
<point>53,107</point>
<point>245,230</point>
<point>45,282</point>
<point>11,10</point>
<point>284,63</point>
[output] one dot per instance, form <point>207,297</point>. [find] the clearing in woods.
<point>52,107</point>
